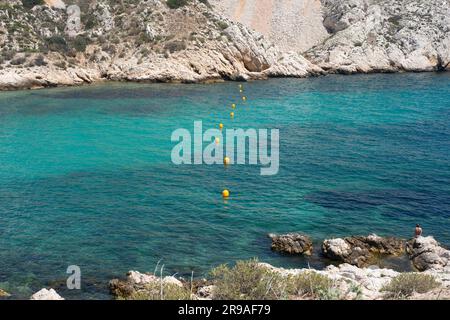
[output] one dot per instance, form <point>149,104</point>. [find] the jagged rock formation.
<point>46,294</point>
<point>361,251</point>
<point>293,25</point>
<point>133,41</point>
<point>78,41</point>
<point>427,254</point>
<point>384,36</point>
<point>292,243</point>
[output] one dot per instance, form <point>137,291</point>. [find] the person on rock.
<point>418,232</point>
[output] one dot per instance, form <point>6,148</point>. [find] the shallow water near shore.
<point>86,176</point>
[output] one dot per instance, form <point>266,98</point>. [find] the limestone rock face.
<point>46,294</point>
<point>293,25</point>
<point>292,243</point>
<point>148,41</point>
<point>193,43</point>
<point>427,254</point>
<point>73,27</point>
<point>336,249</point>
<point>384,36</point>
<point>361,251</point>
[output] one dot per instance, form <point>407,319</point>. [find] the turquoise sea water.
<point>86,177</point>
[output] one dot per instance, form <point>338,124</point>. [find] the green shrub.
<point>313,284</point>
<point>174,46</point>
<point>8,54</point>
<point>39,61</point>
<point>174,4</point>
<point>90,21</point>
<point>405,284</point>
<point>222,25</point>
<point>57,43</point>
<point>60,64</point>
<point>80,43</point>
<point>248,280</point>
<point>31,3</point>
<point>18,61</point>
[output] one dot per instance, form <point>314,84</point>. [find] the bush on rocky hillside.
<point>174,4</point>
<point>31,3</point>
<point>405,284</point>
<point>248,280</point>
<point>311,284</point>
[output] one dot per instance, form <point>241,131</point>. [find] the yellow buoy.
<point>232,114</point>
<point>217,140</point>
<point>244,98</point>
<point>225,193</point>
<point>221,126</point>
<point>233,106</point>
<point>226,161</point>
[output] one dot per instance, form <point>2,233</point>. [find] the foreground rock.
<point>351,282</point>
<point>292,243</point>
<point>362,251</point>
<point>4,294</point>
<point>46,294</point>
<point>138,282</point>
<point>427,254</point>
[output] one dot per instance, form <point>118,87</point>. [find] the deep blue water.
<point>86,176</point>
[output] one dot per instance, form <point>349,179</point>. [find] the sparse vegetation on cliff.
<point>404,285</point>
<point>31,3</point>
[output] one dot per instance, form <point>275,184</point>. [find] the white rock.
<point>45,294</point>
<point>141,278</point>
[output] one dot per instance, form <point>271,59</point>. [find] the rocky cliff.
<point>384,36</point>
<point>293,25</point>
<point>130,40</point>
<point>55,42</point>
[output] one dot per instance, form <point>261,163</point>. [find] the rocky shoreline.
<point>63,45</point>
<point>355,275</point>
<point>354,278</point>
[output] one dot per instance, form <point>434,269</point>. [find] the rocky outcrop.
<point>47,45</point>
<point>73,25</point>
<point>46,294</point>
<point>384,36</point>
<point>136,282</point>
<point>361,251</point>
<point>351,282</point>
<point>4,294</point>
<point>427,254</point>
<point>292,243</point>
<point>190,44</point>
<point>57,4</point>
<point>293,25</point>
